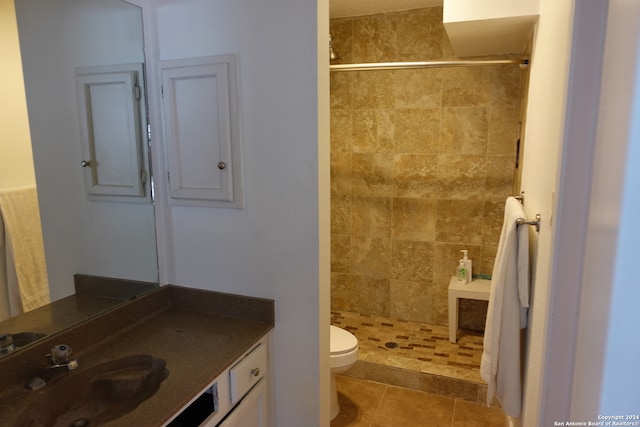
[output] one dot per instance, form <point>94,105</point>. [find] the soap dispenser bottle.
<point>461,272</point>
<point>467,265</point>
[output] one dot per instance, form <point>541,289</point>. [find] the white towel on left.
<point>21,215</point>
<point>507,313</point>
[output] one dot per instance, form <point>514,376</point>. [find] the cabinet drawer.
<point>247,372</point>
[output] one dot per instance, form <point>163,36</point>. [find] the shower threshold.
<point>415,355</point>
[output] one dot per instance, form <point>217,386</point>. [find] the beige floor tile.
<point>359,401</point>
<point>409,408</point>
<point>468,414</point>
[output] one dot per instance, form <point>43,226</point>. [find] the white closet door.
<point>200,117</point>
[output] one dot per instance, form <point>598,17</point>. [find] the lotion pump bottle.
<point>461,272</point>
<point>467,264</point>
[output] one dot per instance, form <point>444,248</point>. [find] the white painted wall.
<point>606,373</point>
<point>491,27</point>
<point>619,393</point>
<point>544,135</point>
<point>473,10</point>
<point>16,160</point>
<point>272,246</point>
<point>579,363</point>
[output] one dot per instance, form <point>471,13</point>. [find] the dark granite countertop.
<point>94,295</point>
<point>198,333</point>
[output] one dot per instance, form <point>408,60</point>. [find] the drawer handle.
<point>255,372</point>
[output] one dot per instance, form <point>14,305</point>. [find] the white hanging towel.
<point>507,313</point>
<point>21,215</point>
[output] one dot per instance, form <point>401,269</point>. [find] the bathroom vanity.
<point>216,349</point>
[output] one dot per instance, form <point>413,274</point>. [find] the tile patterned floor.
<point>414,346</point>
<point>371,404</point>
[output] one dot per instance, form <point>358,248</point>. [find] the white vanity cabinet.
<point>252,410</point>
<point>236,398</point>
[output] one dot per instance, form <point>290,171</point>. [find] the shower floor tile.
<point>414,346</point>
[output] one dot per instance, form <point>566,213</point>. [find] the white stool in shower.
<point>478,289</point>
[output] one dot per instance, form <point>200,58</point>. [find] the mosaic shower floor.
<point>414,346</point>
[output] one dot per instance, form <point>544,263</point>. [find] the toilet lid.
<point>342,341</point>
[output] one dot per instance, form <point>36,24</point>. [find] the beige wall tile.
<point>373,130</point>
<point>371,295</point>
<point>371,216</point>
<point>460,221</point>
<point>374,38</point>
<point>410,300</point>
<point>439,305</point>
<point>425,156</point>
<point>416,175</point>
<point>504,130</point>
<point>466,87</point>
<point>462,176</point>
<point>341,31</point>
<point>412,260</point>
<point>340,173</point>
<point>372,174</point>
<point>417,131</point>
<point>499,181</point>
<point>414,219</point>
<point>341,87</point>
<point>340,253</point>
<point>487,259</point>
<point>341,130</point>
<point>371,257</point>
<point>419,34</point>
<point>341,295</point>
<point>465,130</point>
<point>418,89</point>
<point>506,84</point>
<point>373,89</point>
<point>493,217</point>
<point>341,213</point>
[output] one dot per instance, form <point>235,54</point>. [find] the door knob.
<point>222,165</point>
<point>85,163</point>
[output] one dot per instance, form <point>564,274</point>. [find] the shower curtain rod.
<point>524,63</point>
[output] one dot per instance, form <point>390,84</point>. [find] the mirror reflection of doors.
<point>113,131</point>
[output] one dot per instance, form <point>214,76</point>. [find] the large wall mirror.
<point>59,41</point>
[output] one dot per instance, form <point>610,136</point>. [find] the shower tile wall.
<point>421,163</point>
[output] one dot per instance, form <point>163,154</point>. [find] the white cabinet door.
<point>112,123</point>
<point>200,115</point>
<point>252,411</point>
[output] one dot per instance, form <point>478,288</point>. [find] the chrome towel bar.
<point>534,222</point>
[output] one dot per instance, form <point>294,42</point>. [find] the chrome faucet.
<point>59,364</point>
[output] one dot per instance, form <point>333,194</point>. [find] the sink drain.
<point>391,344</point>
<point>80,422</point>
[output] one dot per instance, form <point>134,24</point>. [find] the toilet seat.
<point>341,341</point>
<point>344,355</point>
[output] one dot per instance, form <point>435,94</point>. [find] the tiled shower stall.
<point>421,163</point>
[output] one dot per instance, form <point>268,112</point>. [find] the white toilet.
<point>344,354</point>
